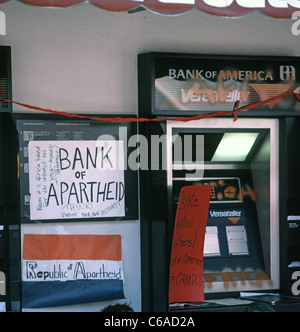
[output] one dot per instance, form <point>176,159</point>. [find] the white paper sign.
<point>76,179</point>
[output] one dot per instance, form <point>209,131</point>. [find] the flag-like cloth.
<point>61,270</point>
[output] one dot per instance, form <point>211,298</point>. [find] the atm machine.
<point>240,162</point>
<point>251,165</point>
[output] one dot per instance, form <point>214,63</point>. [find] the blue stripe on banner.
<point>57,293</point>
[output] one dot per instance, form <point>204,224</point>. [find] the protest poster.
<point>186,269</point>
<point>76,179</point>
<point>60,270</point>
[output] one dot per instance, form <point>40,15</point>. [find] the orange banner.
<point>56,247</point>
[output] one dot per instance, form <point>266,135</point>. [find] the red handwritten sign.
<point>186,270</point>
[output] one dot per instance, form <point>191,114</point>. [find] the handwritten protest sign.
<point>76,179</point>
<point>186,270</point>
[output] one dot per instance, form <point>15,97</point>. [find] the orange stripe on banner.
<point>72,247</point>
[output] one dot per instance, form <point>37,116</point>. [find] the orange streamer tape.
<point>235,111</point>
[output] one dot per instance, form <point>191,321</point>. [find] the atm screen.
<point>226,232</point>
<point>232,227</point>
<point>232,248</point>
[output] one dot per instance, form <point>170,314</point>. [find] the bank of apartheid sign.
<point>228,8</point>
<point>76,179</point>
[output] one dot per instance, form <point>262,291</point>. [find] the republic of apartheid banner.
<point>63,270</point>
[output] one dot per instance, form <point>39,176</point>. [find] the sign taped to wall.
<point>186,270</point>
<point>76,179</point>
<point>62,270</point>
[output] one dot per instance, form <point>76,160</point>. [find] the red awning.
<point>228,8</point>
